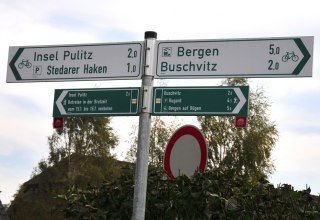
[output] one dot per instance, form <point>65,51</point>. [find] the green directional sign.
<point>96,102</point>
<point>224,101</point>
<point>261,57</point>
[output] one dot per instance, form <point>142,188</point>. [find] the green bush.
<point>211,195</point>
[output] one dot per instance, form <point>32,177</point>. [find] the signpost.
<point>249,58</point>
<point>268,57</point>
<point>96,102</point>
<point>201,101</point>
<point>75,62</point>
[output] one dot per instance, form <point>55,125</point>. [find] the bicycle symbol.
<point>289,56</point>
<point>25,63</point>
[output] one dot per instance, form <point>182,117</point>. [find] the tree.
<point>161,131</point>
<point>85,136</point>
<point>79,156</point>
<point>246,151</point>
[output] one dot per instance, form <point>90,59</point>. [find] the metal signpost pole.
<point>141,173</point>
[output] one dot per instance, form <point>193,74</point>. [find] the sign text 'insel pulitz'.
<point>96,102</point>
<point>269,57</point>
<point>75,62</point>
<point>215,101</point>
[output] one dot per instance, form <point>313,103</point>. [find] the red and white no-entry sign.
<point>186,152</point>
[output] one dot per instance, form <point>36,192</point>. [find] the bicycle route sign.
<point>268,57</point>
<point>96,102</point>
<point>75,62</point>
<point>215,101</point>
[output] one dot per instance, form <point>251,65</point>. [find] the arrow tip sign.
<point>12,66</point>
<point>59,102</point>
<point>242,100</point>
<point>306,56</point>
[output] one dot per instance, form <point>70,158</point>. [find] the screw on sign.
<point>241,121</point>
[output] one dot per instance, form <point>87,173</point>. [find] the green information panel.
<point>224,101</point>
<point>96,102</point>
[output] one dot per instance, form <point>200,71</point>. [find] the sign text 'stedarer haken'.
<point>75,62</point>
<point>269,57</point>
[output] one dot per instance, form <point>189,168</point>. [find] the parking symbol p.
<point>37,70</point>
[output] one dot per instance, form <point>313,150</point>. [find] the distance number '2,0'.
<point>132,68</point>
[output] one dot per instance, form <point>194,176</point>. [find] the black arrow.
<point>13,61</point>
<point>306,56</point>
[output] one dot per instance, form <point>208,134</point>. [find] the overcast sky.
<point>26,108</point>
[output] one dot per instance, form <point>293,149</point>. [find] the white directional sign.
<point>270,57</point>
<point>75,62</point>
